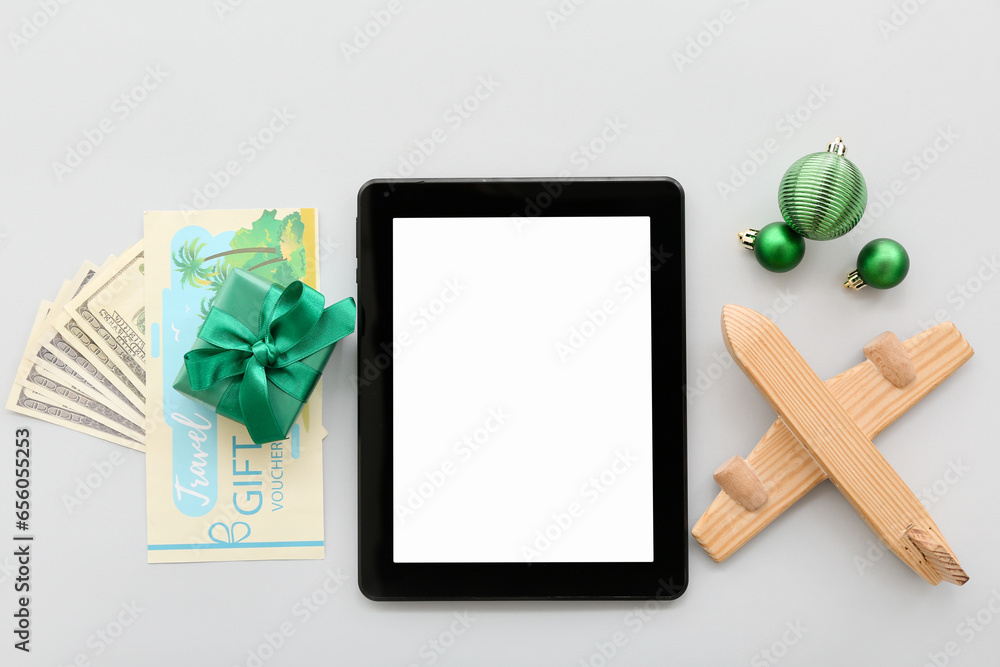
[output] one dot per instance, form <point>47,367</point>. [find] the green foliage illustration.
<point>272,248</point>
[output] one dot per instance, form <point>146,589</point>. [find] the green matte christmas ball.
<point>778,247</point>
<point>883,263</point>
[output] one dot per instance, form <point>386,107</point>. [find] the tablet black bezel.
<point>379,201</point>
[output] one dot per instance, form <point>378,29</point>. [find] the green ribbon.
<point>292,326</point>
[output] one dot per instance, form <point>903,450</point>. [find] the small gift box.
<point>261,351</point>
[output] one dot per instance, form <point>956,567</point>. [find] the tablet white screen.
<point>522,412</point>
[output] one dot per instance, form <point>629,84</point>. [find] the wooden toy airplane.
<point>825,430</point>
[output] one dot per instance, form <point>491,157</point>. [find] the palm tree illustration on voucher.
<point>271,248</point>
<point>206,307</point>
<point>219,273</point>
<point>189,265</point>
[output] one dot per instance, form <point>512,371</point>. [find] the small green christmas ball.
<point>778,247</point>
<point>883,263</point>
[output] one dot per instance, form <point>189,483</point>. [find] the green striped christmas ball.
<point>823,195</point>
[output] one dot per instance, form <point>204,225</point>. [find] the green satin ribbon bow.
<point>292,326</point>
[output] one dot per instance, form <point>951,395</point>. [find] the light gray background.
<point>894,76</point>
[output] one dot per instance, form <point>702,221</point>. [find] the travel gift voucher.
<point>213,495</point>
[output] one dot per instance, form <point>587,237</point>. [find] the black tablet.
<point>521,417</point>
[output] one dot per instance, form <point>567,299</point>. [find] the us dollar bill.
<point>61,393</point>
<point>70,340</point>
<point>107,317</point>
<point>93,384</point>
<point>43,359</point>
<point>50,387</point>
<point>84,376</point>
<point>49,348</point>
<point>26,402</point>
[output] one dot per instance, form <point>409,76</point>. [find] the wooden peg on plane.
<point>889,356</point>
<point>741,483</point>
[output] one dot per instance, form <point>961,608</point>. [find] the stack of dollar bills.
<point>85,363</point>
